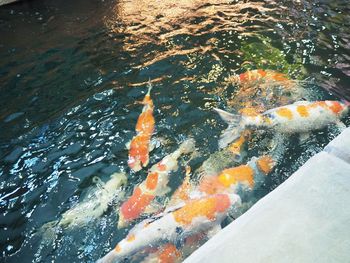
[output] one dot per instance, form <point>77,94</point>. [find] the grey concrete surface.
<point>4,2</point>
<point>305,219</point>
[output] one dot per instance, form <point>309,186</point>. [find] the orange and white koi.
<point>233,180</point>
<point>259,74</point>
<point>154,185</point>
<point>139,146</point>
<point>167,253</point>
<point>197,215</point>
<point>299,117</point>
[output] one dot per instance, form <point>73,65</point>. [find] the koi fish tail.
<point>149,85</point>
<point>234,129</point>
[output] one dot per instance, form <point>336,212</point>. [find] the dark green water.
<point>71,73</point>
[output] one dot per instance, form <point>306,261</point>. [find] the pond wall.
<point>4,2</point>
<point>305,219</point>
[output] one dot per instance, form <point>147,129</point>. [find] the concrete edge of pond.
<point>305,219</point>
<point>5,2</point>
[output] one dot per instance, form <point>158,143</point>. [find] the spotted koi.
<point>299,117</point>
<point>193,216</point>
<point>229,180</point>
<point>139,147</point>
<point>154,185</point>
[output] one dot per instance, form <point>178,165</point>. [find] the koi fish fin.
<point>229,118</point>
<point>233,130</point>
<point>127,145</point>
<point>149,85</point>
<point>303,137</point>
<point>156,143</point>
<point>153,208</point>
<point>213,231</point>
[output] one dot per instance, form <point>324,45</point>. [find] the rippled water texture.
<point>72,73</point>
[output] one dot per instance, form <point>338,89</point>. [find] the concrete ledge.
<point>305,219</point>
<point>5,2</point>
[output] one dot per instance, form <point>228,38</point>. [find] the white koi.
<point>194,216</point>
<point>299,117</point>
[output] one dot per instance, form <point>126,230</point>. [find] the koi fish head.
<point>344,107</point>
<point>338,108</point>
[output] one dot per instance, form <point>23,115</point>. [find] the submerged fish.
<point>194,216</point>
<point>92,207</point>
<point>96,202</point>
<point>233,180</point>
<point>299,117</point>
<point>156,184</point>
<point>167,253</point>
<point>259,74</point>
<point>230,156</point>
<point>140,145</point>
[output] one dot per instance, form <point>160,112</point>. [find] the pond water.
<point>72,74</point>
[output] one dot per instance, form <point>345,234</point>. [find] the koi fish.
<point>154,185</point>
<point>92,207</point>
<point>259,74</point>
<point>299,117</point>
<point>96,202</point>
<point>140,145</point>
<point>194,216</point>
<point>224,158</point>
<point>232,180</point>
<point>168,253</point>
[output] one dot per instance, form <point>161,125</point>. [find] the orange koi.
<point>154,185</point>
<point>259,74</point>
<point>140,145</point>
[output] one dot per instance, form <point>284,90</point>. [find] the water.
<point>71,74</point>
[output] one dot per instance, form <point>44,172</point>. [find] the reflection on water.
<point>71,75</point>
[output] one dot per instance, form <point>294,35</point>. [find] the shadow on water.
<point>71,73</point>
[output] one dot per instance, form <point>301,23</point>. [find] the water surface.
<point>71,74</point>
